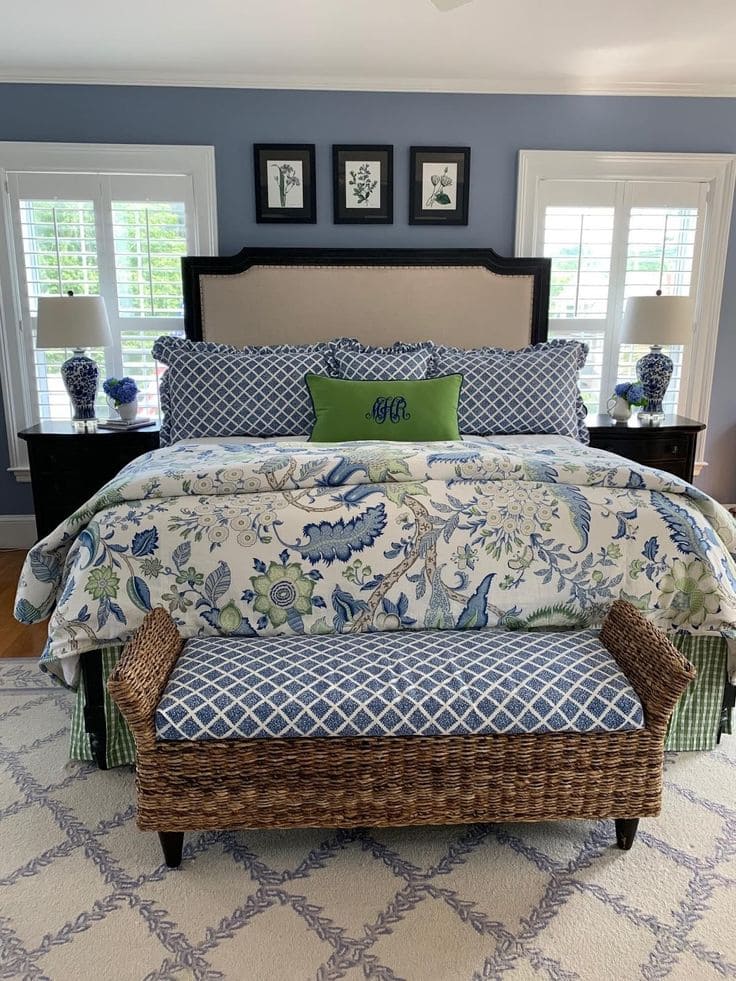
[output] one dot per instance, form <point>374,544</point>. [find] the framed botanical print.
<point>439,187</point>
<point>363,184</point>
<point>284,182</point>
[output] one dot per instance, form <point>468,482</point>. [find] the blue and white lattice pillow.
<point>532,390</point>
<point>354,361</point>
<point>168,347</point>
<point>214,390</point>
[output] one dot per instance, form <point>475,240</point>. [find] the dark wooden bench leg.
<point>94,706</point>
<point>172,844</point>
<point>626,832</point>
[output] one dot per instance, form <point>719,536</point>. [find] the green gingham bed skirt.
<point>694,724</point>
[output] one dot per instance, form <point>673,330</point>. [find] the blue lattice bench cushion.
<point>408,683</point>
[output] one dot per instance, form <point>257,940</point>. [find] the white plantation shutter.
<point>609,240</point>
<point>60,247</point>
<point>121,236</point>
<point>660,255</point>
<point>60,250</point>
<point>579,242</point>
<point>591,375</point>
<point>578,237</point>
<point>150,237</point>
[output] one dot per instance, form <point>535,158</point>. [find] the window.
<point>65,245</point>
<point>620,225</point>
<point>60,254</point>
<point>579,240</point>
<point>661,254</point>
<point>606,245</point>
<point>113,221</point>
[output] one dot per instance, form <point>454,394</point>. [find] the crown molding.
<point>470,86</point>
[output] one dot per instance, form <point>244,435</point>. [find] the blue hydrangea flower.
<point>632,392</point>
<point>636,394</point>
<point>120,390</point>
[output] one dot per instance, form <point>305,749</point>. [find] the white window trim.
<point>197,162</point>
<point>716,170</point>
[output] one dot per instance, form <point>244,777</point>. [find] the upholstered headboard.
<point>465,297</point>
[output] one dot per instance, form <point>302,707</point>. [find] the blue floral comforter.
<point>254,539</point>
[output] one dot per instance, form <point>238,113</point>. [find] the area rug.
<point>84,895</point>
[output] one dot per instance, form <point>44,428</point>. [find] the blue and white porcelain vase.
<point>80,374</point>
<point>654,371</point>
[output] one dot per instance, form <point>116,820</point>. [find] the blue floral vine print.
<point>303,538</point>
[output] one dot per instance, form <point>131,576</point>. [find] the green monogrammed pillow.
<point>412,410</point>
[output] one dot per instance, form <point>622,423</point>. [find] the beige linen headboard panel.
<point>467,305</point>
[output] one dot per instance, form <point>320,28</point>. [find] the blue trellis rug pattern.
<point>83,894</point>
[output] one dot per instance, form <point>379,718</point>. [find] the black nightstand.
<point>669,447</point>
<point>67,467</point>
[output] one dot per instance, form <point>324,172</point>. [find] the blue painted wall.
<point>496,127</point>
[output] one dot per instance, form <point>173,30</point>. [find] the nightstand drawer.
<point>49,457</point>
<point>632,449</point>
<point>71,486</point>
<point>678,468</point>
<point>665,448</point>
<point>669,448</point>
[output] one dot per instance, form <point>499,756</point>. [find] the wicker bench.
<point>197,779</point>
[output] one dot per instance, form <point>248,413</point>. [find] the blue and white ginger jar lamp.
<point>77,322</point>
<point>656,320</point>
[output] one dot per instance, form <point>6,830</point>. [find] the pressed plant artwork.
<point>363,189</point>
<point>439,185</point>
<point>284,182</point>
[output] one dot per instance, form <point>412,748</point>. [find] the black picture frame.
<point>378,207</point>
<point>301,157</point>
<point>422,211</point>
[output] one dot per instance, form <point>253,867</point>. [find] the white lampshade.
<point>657,320</point>
<point>72,321</point>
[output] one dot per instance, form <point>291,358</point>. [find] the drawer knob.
<point>675,451</point>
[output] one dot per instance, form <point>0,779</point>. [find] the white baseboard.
<point>17,530</point>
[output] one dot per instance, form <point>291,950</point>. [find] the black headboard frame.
<point>195,267</point>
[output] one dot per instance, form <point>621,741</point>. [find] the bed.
<point>253,537</point>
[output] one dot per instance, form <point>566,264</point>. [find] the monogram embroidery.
<point>391,409</point>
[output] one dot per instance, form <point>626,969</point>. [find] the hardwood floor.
<point>16,639</point>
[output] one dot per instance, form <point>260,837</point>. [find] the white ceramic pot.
<point>126,410</point>
<point>618,408</point>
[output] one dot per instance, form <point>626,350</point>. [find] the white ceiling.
<point>665,47</point>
